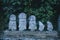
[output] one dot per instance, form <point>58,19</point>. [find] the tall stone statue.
<point>32,23</point>
<point>22,21</point>
<point>41,26</point>
<point>59,23</point>
<point>49,26</point>
<point>12,22</point>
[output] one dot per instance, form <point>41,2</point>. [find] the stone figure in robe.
<point>22,21</point>
<point>12,22</point>
<point>32,23</point>
<point>49,26</point>
<point>41,26</point>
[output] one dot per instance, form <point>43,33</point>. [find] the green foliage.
<point>44,12</point>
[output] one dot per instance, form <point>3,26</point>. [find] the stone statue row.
<point>23,23</point>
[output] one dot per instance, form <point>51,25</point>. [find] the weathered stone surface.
<point>37,35</point>
<point>32,23</point>
<point>22,21</point>
<point>28,39</point>
<point>30,34</point>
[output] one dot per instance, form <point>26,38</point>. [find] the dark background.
<point>16,8</point>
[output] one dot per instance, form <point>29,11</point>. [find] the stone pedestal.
<point>35,35</point>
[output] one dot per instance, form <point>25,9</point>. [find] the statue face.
<point>12,17</point>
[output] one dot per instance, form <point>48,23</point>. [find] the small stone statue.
<point>32,23</point>
<point>12,22</point>
<point>59,23</point>
<point>49,26</point>
<point>41,26</point>
<point>22,21</point>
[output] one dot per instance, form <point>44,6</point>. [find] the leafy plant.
<point>43,11</point>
